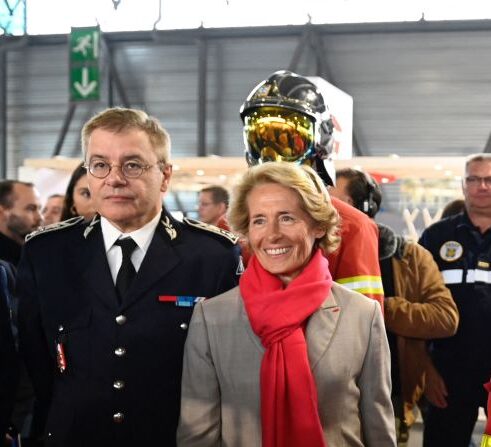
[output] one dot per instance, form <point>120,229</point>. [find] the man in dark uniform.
<point>103,325</point>
<point>20,214</point>
<point>461,246</point>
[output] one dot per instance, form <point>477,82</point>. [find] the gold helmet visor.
<point>278,134</point>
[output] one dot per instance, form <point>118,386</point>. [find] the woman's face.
<point>281,234</point>
<point>81,199</point>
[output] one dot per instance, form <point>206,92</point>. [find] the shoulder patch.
<point>212,229</point>
<point>56,226</point>
<point>451,251</point>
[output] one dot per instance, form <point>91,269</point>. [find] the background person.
<point>461,246</point>
<point>52,209</point>
<point>418,306</point>
<point>20,214</point>
<point>267,363</point>
<point>453,207</point>
<point>212,204</point>
<point>103,323</point>
<point>77,196</point>
<point>286,119</point>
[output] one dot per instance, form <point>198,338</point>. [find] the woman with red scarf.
<point>288,358</point>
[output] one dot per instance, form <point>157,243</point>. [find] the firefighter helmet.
<point>286,119</point>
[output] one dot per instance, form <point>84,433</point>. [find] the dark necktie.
<point>127,271</point>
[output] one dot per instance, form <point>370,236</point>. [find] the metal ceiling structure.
<point>420,88</point>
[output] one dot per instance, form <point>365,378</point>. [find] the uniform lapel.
<point>320,329</point>
<point>159,260</point>
<point>97,275</point>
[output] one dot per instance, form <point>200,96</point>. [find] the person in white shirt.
<point>104,319</point>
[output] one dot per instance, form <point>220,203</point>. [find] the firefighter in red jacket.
<point>286,119</point>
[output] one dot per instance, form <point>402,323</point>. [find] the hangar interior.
<point>420,90</point>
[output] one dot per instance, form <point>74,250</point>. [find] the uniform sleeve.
<point>433,312</point>
<point>32,338</point>
<point>228,270</point>
<point>243,244</point>
<point>355,264</point>
<point>377,415</point>
<point>8,359</point>
<point>200,419</point>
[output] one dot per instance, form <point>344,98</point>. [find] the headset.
<point>365,192</point>
<point>370,205</point>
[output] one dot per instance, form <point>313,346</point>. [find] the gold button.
<point>121,319</point>
<point>120,352</point>
<point>118,417</point>
<point>118,384</point>
<point>184,326</point>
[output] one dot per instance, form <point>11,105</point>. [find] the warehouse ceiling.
<point>420,89</point>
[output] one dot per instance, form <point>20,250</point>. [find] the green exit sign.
<point>84,63</point>
<point>84,83</point>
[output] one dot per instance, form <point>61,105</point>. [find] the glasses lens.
<point>132,169</point>
<point>99,169</point>
<point>276,134</point>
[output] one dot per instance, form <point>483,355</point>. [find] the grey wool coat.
<point>348,354</point>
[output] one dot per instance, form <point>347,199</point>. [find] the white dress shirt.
<point>142,237</point>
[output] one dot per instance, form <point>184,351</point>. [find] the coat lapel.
<point>247,326</point>
<point>320,329</point>
<point>97,275</point>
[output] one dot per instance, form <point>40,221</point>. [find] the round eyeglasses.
<point>129,169</point>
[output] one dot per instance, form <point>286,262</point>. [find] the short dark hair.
<point>67,212</point>
<point>7,197</point>
<point>453,207</point>
<point>218,194</point>
<point>363,190</point>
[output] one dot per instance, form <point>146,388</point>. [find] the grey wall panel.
<point>413,91</point>
<point>235,67</point>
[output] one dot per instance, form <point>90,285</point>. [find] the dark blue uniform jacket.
<point>463,255</point>
<point>121,382</point>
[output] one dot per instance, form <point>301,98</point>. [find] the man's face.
<point>52,210</point>
<point>210,212</point>
<point>25,215</point>
<point>128,203</point>
<point>477,191</point>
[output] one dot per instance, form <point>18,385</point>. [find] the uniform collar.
<point>142,236</point>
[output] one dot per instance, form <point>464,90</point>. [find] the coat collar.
<point>320,328</point>
<point>390,244</point>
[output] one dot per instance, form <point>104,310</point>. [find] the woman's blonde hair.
<point>304,181</point>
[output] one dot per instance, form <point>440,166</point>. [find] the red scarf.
<point>289,412</point>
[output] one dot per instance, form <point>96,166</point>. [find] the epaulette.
<point>56,226</point>
<point>212,229</point>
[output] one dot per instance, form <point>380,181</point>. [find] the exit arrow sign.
<point>84,48</point>
<point>84,83</point>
